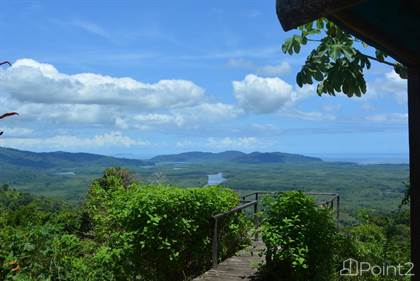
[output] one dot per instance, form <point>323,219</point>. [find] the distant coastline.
<point>359,158</point>
<point>366,158</point>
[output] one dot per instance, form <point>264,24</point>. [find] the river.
<point>215,179</point>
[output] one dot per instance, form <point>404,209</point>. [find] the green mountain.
<point>236,157</point>
<point>197,156</point>
<point>59,159</point>
<point>275,157</point>
<point>69,175</point>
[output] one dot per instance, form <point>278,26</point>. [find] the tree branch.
<point>8,114</point>
<point>385,62</point>
<point>370,57</point>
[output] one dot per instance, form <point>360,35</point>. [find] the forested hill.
<point>61,159</point>
<point>236,157</point>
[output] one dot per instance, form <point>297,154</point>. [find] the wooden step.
<point>241,267</point>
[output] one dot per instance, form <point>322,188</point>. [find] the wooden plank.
<point>414,138</point>
<point>241,267</point>
<point>215,242</point>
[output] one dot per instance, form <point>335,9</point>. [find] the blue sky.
<point>152,77</point>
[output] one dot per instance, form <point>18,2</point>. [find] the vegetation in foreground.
<point>123,231</point>
<point>375,187</point>
<point>130,231</point>
<point>304,244</point>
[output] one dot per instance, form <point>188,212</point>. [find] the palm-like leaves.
<point>336,62</point>
<point>7,115</point>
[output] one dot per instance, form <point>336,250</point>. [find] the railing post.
<point>256,205</point>
<point>215,244</point>
<point>256,222</point>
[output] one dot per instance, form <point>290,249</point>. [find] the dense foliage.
<point>379,240</point>
<point>303,244</point>
<point>123,231</point>
<point>337,62</point>
<point>37,239</point>
<point>300,238</point>
<point>362,186</point>
<point>161,232</point>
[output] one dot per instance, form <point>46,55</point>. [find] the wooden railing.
<point>329,202</point>
<point>244,204</point>
<point>216,218</point>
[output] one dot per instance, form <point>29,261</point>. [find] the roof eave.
<point>374,37</point>
<point>293,13</point>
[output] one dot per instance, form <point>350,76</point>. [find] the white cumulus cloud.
<point>30,81</point>
<point>390,83</point>
<point>185,117</point>
<point>397,86</point>
<point>263,95</point>
<point>41,93</point>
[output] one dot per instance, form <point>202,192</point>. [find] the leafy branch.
<point>407,193</point>
<point>8,113</point>
<point>336,63</point>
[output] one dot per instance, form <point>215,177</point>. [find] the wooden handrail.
<point>215,240</point>
<point>236,209</point>
<point>247,203</point>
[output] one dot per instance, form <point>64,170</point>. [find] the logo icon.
<point>350,268</point>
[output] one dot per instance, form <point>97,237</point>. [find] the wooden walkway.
<point>242,267</point>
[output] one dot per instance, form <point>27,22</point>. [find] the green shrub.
<point>162,232</point>
<point>43,253</point>
<point>300,238</point>
<point>124,231</point>
<point>378,240</point>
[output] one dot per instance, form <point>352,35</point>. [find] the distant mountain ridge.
<point>61,159</point>
<point>195,156</point>
<point>236,157</point>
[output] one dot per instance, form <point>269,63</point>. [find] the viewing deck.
<point>243,266</point>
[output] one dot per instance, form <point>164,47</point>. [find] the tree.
<point>337,62</point>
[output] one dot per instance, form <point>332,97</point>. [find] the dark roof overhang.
<point>391,25</point>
